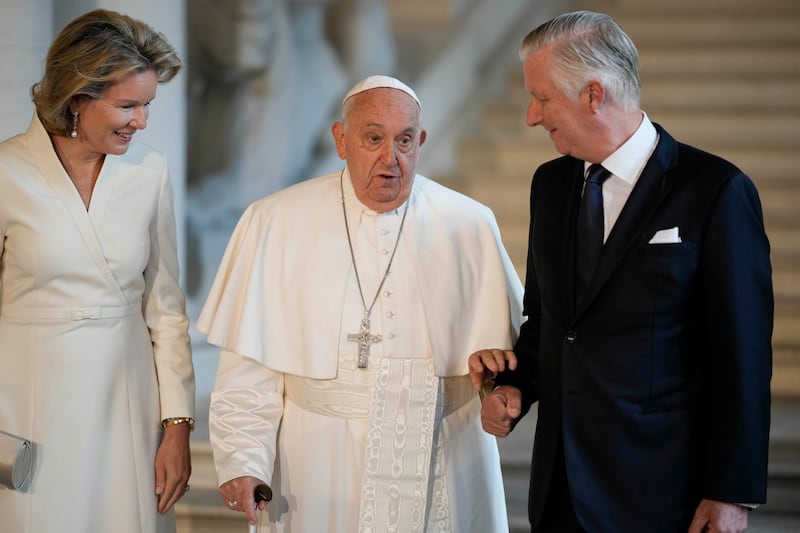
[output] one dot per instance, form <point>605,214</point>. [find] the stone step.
<point>202,511</point>
<point>786,282</point>
<point>786,370</point>
<point>785,330</point>
<point>724,63</point>
<point>670,95</point>
<point>784,245</point>
<point>204,477</point>
<point>726,28</point>
<point>690,8</point>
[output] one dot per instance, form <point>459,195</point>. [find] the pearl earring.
<point>74,132</point>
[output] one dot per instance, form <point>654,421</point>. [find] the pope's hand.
<point>238,495</point>
<point>484,365</point>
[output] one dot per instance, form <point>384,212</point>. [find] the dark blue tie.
<point>589,237</point>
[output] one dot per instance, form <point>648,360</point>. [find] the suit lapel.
<point>570,210</point>
<point>650,190</point>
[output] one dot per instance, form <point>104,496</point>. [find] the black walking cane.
<point>262,493</point>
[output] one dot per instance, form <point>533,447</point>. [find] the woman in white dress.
<point>95,361</point>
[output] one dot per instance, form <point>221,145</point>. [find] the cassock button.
<point>387,294</point>
<point>385,251</point>
<point>389,314</point>
<point>570,337</point>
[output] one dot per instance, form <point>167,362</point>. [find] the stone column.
<point>25,33</point>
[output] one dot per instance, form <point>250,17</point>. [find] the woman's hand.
<point>173,466</point>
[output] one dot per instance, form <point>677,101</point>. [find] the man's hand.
<point>238,495</point>
<point>484,365</point>
<point>719,517</point>
<point>499,410</point>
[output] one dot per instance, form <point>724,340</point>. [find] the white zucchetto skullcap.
<point>375,82</point>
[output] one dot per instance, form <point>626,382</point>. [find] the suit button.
<point>556,393</point>
<point>570,337</point>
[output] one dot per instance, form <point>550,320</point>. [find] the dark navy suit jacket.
<point>658,378</point>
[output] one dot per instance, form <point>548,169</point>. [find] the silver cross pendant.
<point>364,338</point>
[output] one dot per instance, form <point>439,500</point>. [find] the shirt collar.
<point>629,159</point>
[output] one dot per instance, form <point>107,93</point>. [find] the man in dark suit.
<point>651,363</point>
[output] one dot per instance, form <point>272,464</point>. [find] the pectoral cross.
<point>364,338</point>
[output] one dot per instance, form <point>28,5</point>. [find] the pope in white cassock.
<point>346,307</point>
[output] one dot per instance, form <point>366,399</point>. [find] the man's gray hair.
<point>589,46</point>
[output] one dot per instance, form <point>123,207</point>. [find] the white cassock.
<point>397,446</point>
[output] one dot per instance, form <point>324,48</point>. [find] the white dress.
<point>319,440</point>
<point>94,349</point>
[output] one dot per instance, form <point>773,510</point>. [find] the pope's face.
<point>107,124</point>
<point>380,139</point>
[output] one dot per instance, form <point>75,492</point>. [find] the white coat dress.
<point>94,349</point>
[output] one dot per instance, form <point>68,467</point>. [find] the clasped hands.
<point>501,405</point>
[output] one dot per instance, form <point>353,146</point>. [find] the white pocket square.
<point>666,236</point>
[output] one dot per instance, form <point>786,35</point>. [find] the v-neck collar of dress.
<point>56,176</point>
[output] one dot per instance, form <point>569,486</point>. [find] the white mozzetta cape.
<point>280,288</point>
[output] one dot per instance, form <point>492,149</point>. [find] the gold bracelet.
<point>175,421</point>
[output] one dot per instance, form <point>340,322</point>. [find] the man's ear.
<point>337,130</point>
<point>596,93</point>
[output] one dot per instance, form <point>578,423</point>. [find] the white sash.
<point>399,490</point>
<point>406,406</point>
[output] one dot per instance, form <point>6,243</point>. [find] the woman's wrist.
<point>167,422</point>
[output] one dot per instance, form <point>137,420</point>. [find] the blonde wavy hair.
<point>93,52</point>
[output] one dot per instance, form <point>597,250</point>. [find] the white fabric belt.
<point>70,313</point>
<point>350,397</point>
